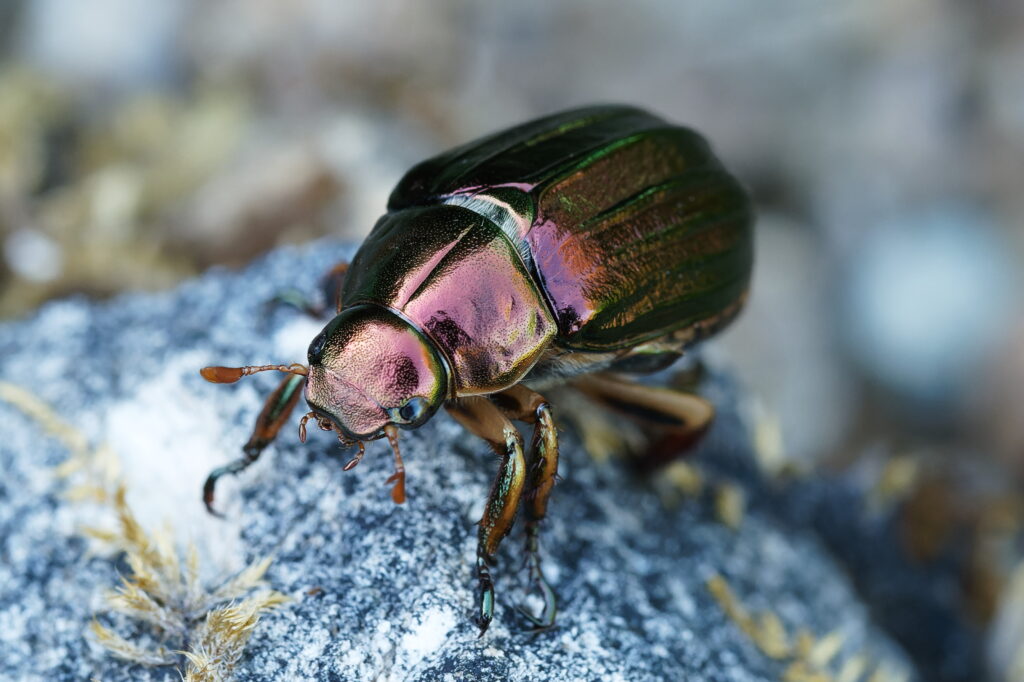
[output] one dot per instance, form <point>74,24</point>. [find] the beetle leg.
<point>330,286</point>
<point>528,406</point>
<point>482,418</point>
<point>679,419</point>
<point>354,462</point>
<point>333,281</point>
<point>273,416</point>
<point>302,425</point>
<point>541,479</point>
<point>296,299</point>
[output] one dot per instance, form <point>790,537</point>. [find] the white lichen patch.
<point>163,589</point>
<point>427,636</point>
<point>168,440</point>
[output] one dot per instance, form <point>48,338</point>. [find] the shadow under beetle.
<point>573,249</point>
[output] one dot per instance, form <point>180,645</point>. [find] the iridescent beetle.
<point>567,250</point>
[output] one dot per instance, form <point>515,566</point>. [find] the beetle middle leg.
<point>482,418</point>
<point>529,406</point>
<point>275,413</point>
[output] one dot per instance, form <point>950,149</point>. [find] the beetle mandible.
<point>571,249</point>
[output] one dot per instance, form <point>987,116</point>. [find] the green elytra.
<point>568,250</point>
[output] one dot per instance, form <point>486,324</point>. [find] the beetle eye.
<point>316,348</point>
<point>412,411</point>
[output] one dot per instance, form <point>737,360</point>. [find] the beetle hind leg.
<point>673,420</point>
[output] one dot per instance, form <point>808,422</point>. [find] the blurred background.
<point>883,140</point>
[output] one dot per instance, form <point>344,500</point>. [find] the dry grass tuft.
<point>808,659</point>
<point>187,623</point>
<point>219,641</point>
<point>185,618</point>
<point>730,503</point>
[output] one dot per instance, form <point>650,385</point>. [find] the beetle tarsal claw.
<point>485,596</point>
<point>209,487</point>
<point>539,585</point>
<point>397,478</point>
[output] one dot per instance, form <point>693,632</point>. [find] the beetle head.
<point>369,368</point>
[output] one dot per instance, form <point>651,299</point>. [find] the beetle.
<point>574,249</point>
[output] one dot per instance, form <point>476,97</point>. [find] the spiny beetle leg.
<point>275,413</point>
<point>499,513</point>
<point>543,470</point>
<point>528,406</point>
<point>482,418</point>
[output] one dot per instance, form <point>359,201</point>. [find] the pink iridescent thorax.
<point>485,313</point>
<point>458,278</point>
<point>366,366</point>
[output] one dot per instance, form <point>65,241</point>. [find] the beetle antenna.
<point>229,375</point>
<point>398,478</point>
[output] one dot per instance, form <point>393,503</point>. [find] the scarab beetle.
<point>572,249</point>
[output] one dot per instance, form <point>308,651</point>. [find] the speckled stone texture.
<point>381,592</point>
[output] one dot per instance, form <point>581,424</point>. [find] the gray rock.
<point>380,591</point>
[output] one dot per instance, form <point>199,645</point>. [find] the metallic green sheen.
<point>628,225</point>
<point>293,384</point>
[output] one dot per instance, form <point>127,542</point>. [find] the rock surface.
<point>379,591</point>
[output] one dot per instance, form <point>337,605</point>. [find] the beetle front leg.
<point>482,418</point>
<point>275,413</point>
<point>525,405</point>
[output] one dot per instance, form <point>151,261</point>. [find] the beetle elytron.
<point>566,250</point>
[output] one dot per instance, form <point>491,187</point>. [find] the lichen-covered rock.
<point>381,591</point>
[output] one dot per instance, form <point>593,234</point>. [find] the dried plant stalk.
<point>192,624</point>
